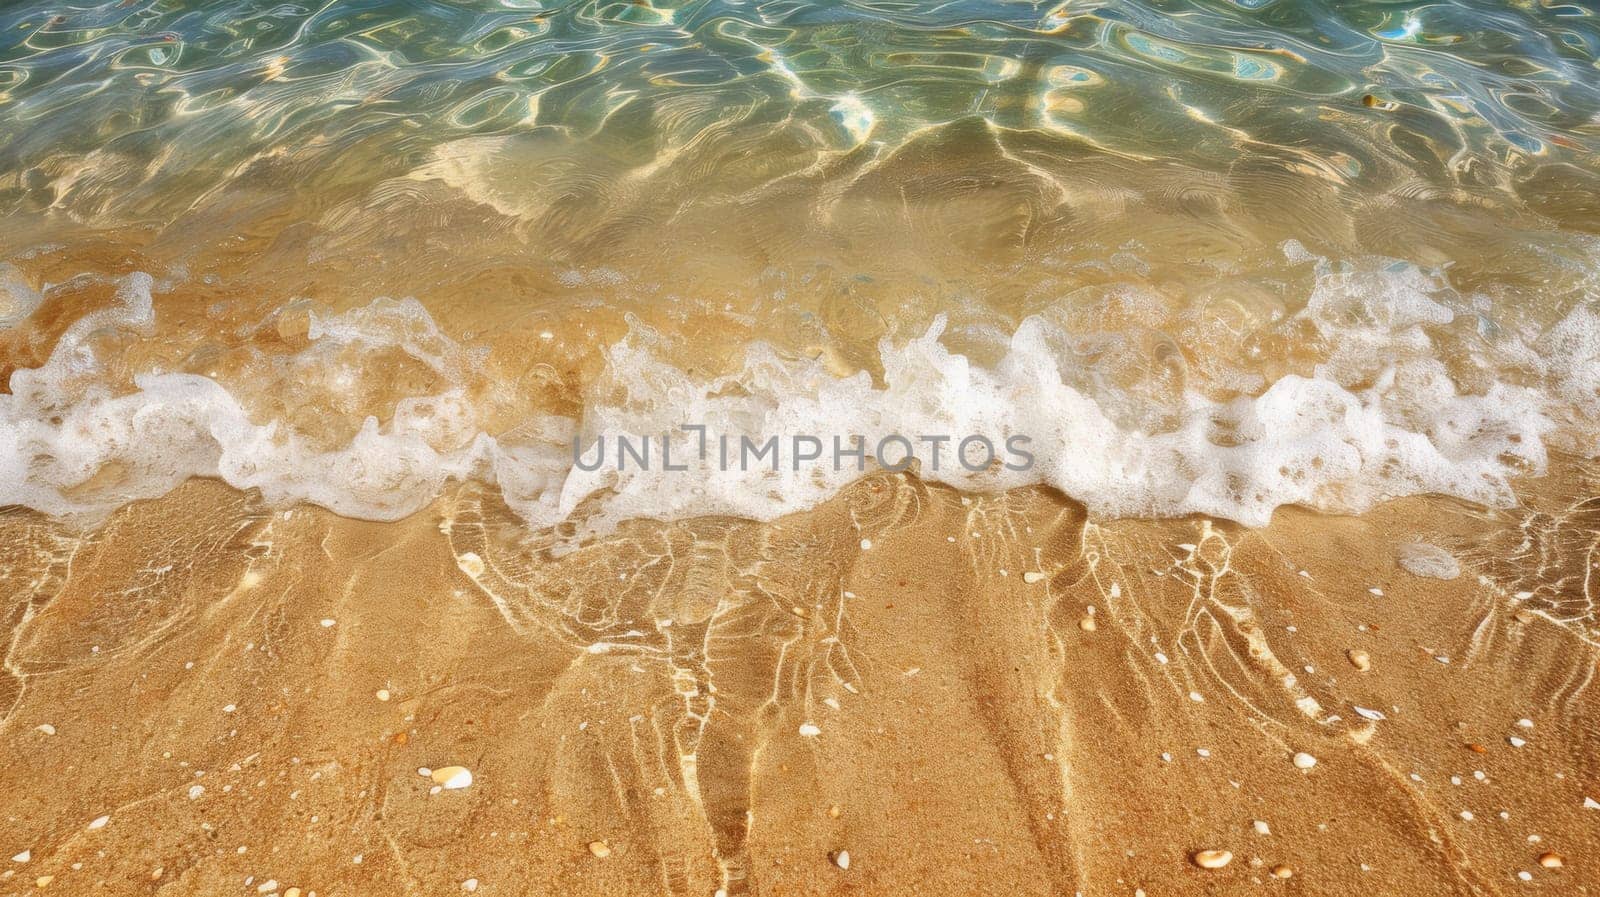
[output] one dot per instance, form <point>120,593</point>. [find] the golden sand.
<point>205,697</point>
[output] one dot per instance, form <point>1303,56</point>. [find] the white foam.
<point>17,298</point>
<point>1307,440</point>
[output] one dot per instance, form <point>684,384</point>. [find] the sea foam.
<point>1319,441</point>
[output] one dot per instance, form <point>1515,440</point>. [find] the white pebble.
<point>470,885</point>
<point>46,728</point>
<point>1303,760</point>
<point>841,858</point>
<point>327,622</point>
<point>1261,827</point>
<point>99,822</point>
<point>23,857</point>
<point>866,544</point>
<point>195,791</point>
<point>451,778</point>
<point>1032,576</point>
<point>810,730</point>
<point>1212,859</point>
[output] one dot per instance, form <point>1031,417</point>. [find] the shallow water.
<point>1207,257</point>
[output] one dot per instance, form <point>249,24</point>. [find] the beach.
<point>724,448</point>
<point>998,697</point>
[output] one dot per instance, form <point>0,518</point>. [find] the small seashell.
<point>1282,871</point>
<point>291,892</point>
<point>43,881</point>
<point>46,728</point>
<point>1212,859</point>
<point>810,730</point>
<point>1303,760</point>
<point>1367,713</point>
<point>840,858</point>
<point>1359,659</point>
<point>1551,860</point>
<point>1516,742</point>
<point>23,857</point>
<point>1032,576</point>
<point>383,694</point>
<point>600,849</point>
<point>99,822</point>
<point>1087,624</point>
<point>1261,827</point>
<point>1477,748</point>
<point>451,778</point>
<point>470,885</point>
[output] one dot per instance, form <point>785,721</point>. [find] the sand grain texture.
<point>646,693</point>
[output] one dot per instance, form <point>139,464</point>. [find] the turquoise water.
<point>139,108</point>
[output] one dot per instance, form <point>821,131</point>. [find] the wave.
<point>1380,419</point>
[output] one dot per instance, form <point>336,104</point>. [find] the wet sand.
<point>968,694</point>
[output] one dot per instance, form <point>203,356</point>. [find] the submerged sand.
<point>968,694</point>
